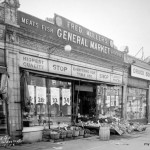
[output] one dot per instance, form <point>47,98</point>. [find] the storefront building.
<point>138,91</point>
<point>51,87</point>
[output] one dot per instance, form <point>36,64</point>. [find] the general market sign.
<point>140,72</point>
<point>64,30</point>
<point>77,34</point>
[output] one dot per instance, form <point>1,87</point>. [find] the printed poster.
<point>55,96</point>
<point>117,101</point>
<point>108,101</point>
<point>66,96</point>
<point>40,95</point>
<point>31,93</point>
<point>112,100</point>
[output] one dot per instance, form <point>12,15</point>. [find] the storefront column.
<point>124,97</point>
<point>148,104</point>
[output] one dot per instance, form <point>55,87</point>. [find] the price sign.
<point>112,100</point>
<point>66,96</point>
<point>31,93</point>
<point>40,95</point>
<point>55,96</point>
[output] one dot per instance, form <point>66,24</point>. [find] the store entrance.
<point>85,102</point>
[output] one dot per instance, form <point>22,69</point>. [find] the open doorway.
<point>85,102</point>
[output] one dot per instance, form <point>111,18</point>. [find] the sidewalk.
<point>133,141</point>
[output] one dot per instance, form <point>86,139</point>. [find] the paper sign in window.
<point>40,95</point>
<point>66,96</point>
<point>55,96</point>
<point>31,93</point>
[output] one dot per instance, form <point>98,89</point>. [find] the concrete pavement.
<point>134,141</point>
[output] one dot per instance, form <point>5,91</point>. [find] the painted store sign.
<point>82,72</point>
<point>75,35</point>
<point>36,63</point>
<point>60,68</point>
<point>140,72</point>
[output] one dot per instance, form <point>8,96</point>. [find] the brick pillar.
<point>14,104</point>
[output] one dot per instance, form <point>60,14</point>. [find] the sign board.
<point>64,31</point>
<point>84,37</point>
<point>59,67</point>
<point>31,62</point>
<point>78,29</point>
<point>103,76</point>
<point>40,95</point>
<point>116,78</point>
<point>82,72</point>
<point>140,72</point>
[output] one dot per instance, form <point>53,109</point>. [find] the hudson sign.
<point>67,31</point>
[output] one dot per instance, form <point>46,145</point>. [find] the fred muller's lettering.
<point>59,68</point>
<point>33,63</point>
<point>96,37</point>
<point>74,27</point>
<point>29,22</point>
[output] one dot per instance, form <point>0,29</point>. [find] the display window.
<point>3,111</point>
<point>84,107</point>
<point>109,100</point>
<point>48,103</point>
<point>136,103</point>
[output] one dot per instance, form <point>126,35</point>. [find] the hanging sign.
<point>31,93</point>
<point>40,95</point>
<point>55,96</point>
<point>66,96</point>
